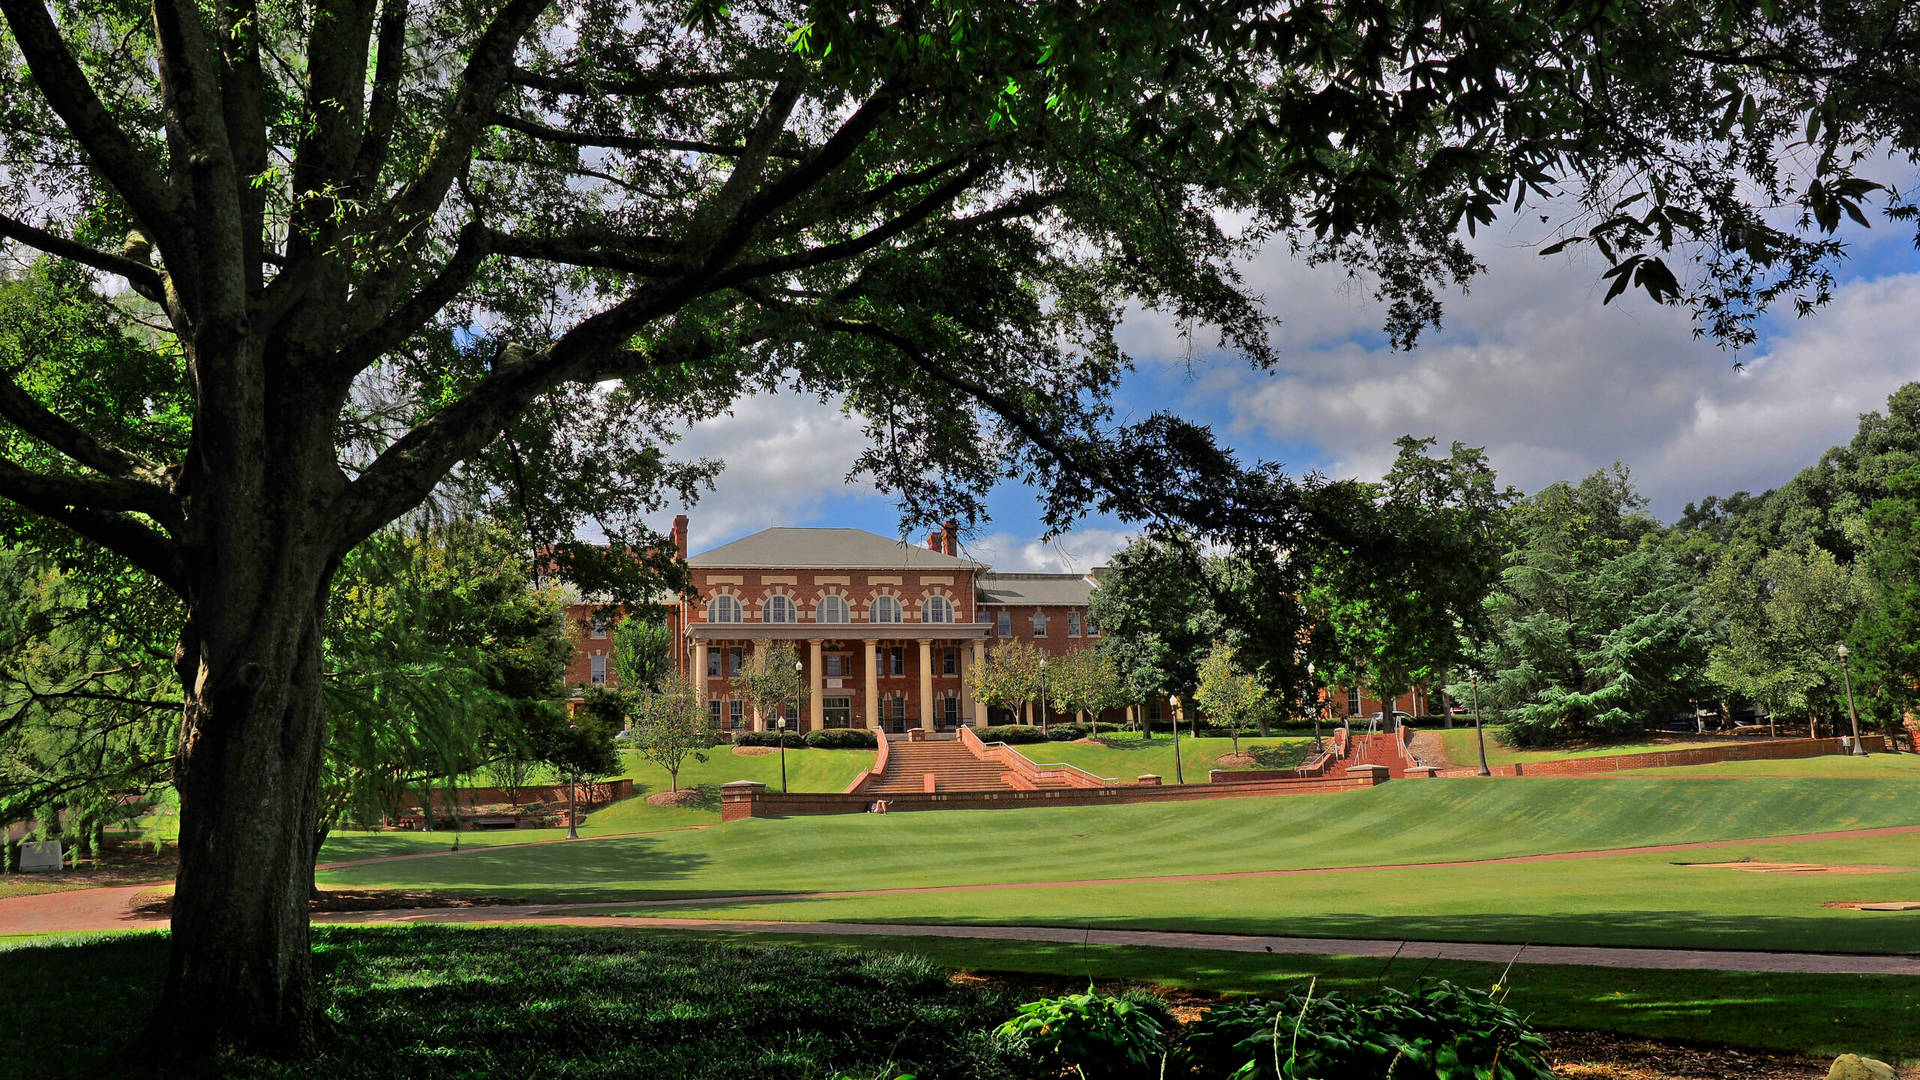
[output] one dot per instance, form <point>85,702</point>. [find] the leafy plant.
<point>1436,1031</point>
<point>1093,1034</point>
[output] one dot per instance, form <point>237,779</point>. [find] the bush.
<point>1437,1031</point>
<point>1091,1034</point>
<point>1068,732</point>
<point>842,739</point>
<point>793,739</point>
<point>1011,734</point>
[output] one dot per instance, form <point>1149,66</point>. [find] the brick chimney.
<point>933,542</point>
<point>950,537</point>
<point>680,534</point>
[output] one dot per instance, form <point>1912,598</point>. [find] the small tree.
<point>1083,680</point>
<point>642,654</point>
<point>1227,694</point>
<point>670,726</point>
<point>1009,676</point>
<point>774,680</point>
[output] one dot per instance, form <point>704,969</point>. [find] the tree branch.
<point>30,416</point>
<point>59,77</point>
<point>93,508</point>
<point>637,143</point>
<point>145,279</point>
<point>651,83</point>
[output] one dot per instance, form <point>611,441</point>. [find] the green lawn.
<point>1892,766</point>
<point>807,770</point>
<point>1125,757</point>
<point>1645,900</point>
<point>1618,899</point>
<point>1464,751</point>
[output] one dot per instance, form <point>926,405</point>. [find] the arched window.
<point>937,609</point>
<point>1004,626</point>
<point>780,609</point>
<point>1039,624</point>
<point>885,609</point>
<point>723,609</point>
<point>832,609</point>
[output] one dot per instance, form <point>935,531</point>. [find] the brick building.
<point>885,631</point>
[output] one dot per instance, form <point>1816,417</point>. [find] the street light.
<point>1479,732</point>
<point>1318,748</point>
<point>796,693</point>
<point>1846,673</point>
<point>1043,695</point>
<point>780,736</point>
<point>573,813</point>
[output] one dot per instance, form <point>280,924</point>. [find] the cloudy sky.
<point>1529,364</point>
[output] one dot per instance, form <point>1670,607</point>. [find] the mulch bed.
<point>755,751</point>
<point>693,797</point>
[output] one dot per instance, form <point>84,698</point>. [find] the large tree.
<point>383,238</point>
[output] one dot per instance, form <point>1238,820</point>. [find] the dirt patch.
<point>160,904</point>
<point>755,751</point>
<point>1754,866</point>
<point>1874,905</point>
<point>685,797</point>
<point>1241,760</point>
<point>1430,748</point>
<point>1583,1054</point>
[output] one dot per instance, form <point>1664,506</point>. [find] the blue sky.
<point>1528,363</point>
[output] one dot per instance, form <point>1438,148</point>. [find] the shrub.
<point>1068,732</point>
<point>793,739</point>
<point>1436,1031</point>
<point>1092,1034</point>
<point>1011,734</point>
<point>842,739</point>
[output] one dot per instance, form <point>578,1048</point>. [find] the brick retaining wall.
<point>1772,750</point>
<point>744,799</point>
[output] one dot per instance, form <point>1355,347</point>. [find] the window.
<point>896,661</point>
<point>950,707</point>
<point>1004,627</point>
<point>1353,701</point>
<point>1039,624</point>
<point>713,713</point>
<point>736,660</point>
<point>832,609</point>
<point>597,666</point>
<point>713,663</point>
<point>836,712</point>
<point>937,610</point>
<point>884,609</point>
<point>1073,623</point>
<point>599,624</point>
<point>1153,709</point>
<point>780,609</point>
<point>1093,628</point>
<point>736,714</point>
<point>949,662</point>
<point>723,609</point>
<point>836,665</point>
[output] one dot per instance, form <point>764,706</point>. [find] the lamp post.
<point>780,736</point>
<point>1846,673</point>
<point>1318,748</point>
<point>796,694</point>
<point>1043,695</point>
<point>1479,732</point>
<point>573,813</point>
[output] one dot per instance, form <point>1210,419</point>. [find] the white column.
<point>870,709</point>
<point>700,673</point>
<point>926,685</point>
<point>816,709</point>
<point>760,666</point>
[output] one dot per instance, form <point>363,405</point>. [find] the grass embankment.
<point>1889,766</point>
<point>1465,751</point>
<point>807,770</point>
<point>1621,899</point>
<point>433,1002</point>
<point>1127,756</point>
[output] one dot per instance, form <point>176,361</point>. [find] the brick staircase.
<point>952,765</point>
<point>1379,749</point>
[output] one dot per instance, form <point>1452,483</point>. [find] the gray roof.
<point>825,549</point>
<point>1035,589</point>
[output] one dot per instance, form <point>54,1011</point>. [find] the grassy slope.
<point>1643,900</point>
<point>807,770</point>
<point>1464,751</point>
<point>1405,821</point>
<point>1891,766</point>
<point>1128,756</point>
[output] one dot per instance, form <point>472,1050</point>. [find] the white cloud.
<point>1074,553</point>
